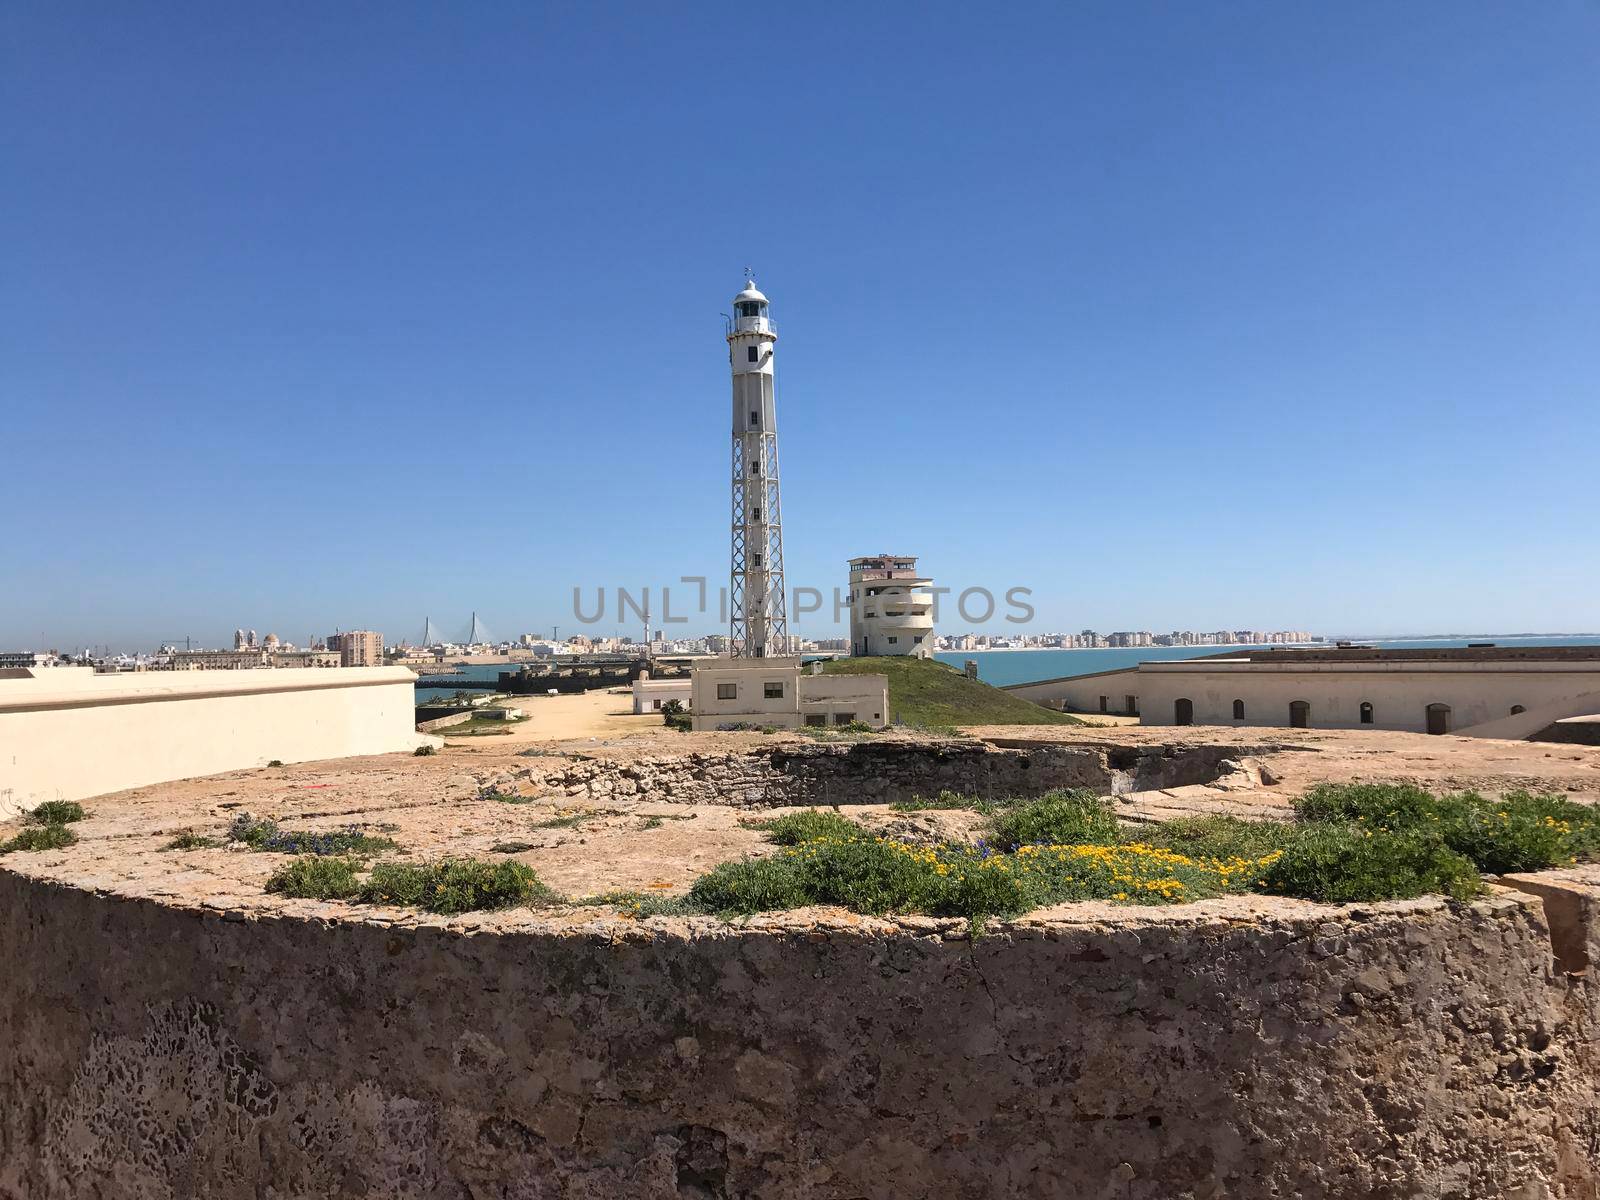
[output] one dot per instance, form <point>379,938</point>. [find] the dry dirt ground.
<point>432,806</point>
<point>597,714</point>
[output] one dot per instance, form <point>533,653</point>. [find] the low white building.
<point>1483,691</point>
<point>776,691</point>
<point>891,608</point>
<point>652,695</point>
<point>69,732</point>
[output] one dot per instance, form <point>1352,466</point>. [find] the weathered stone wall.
<point>1239,1049</point>
<point>875,772</point>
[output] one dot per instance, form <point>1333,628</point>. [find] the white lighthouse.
<point>758,615</point>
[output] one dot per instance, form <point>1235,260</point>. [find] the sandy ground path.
<point>598,714</point>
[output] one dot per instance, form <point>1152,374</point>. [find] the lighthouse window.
<point>755,417</point>
<point>755,514</point>
<point>753,353</point>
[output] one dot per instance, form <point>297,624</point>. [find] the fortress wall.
<point>1260,1049</point>
<point>876,772</point>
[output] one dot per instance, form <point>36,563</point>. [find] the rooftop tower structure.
<point>891,607</point>
<point>758,612</point>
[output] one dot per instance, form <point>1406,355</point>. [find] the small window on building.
<point>727,691</point>
<point>1366,712</point>
<point>752,354</point>
<point>755,514</point>
<point>893,640</point>
<point>1517,708</point>
<point>772,691</point>
<point>756,558</point>
<point>755,417</point>
<point>843,718</point>
<point>658,704</point>
<point>918,639</point>
<point>815,719</point>
<point>1238,710</point>
<point>1105,703</point>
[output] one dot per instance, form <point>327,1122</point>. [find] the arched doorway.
<point>1183,712</point>
<point>1300,714</point>
<point>1238,710</point>
<point>1438,718</point>
<point>1366,712</point>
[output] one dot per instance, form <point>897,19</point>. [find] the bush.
<point>188,839</point>
<point>40,837</point>
<point>265,835</point>
<point>1074,817</point>
<point>424,751</point>
<point>1519,832</point>
<point>55,812</point>
<point>809,826</point>
<point>675,716</point>
<point>1344,864</point>
<point>456,885</point>
<point>316,878</point>
<point>277,762</point>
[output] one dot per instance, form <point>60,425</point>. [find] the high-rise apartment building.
<point>358,648</point>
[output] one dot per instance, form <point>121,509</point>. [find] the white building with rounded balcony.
<point>891,607</point>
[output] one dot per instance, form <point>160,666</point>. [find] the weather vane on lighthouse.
<point>758,614</point>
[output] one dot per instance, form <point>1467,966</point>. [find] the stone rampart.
<point>1237,1048</point>
<point>875,772</point>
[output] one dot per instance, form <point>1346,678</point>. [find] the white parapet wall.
<point>67,733</point>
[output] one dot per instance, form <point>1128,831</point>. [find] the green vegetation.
<point>456,885</point>
<point>452,885</point>
<point>809,826</point>
<point>500,797</point>
<point>316,878</point>
<point>512,847</point>
<point>277,762</point>
<point>188,839</point>
<point>1073,817</point>
<point>40,837</point>
<point>424,751</point>
<point>927,692</point>
<point>675,716</point>
<point>1350,844</point>
<point>566,821</point>
<point>477,726</point>
<point>944,800</point>
<point>643,904</point>
<point>1518,832</point>
<point>1337,864</point>
<point>266,836</point>
<point>55,812</point>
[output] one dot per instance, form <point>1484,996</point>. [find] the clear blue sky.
<point>1256,314</point>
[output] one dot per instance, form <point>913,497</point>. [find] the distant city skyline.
<point>1261,314</point>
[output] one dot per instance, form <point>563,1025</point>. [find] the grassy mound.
<point>925,691</point>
